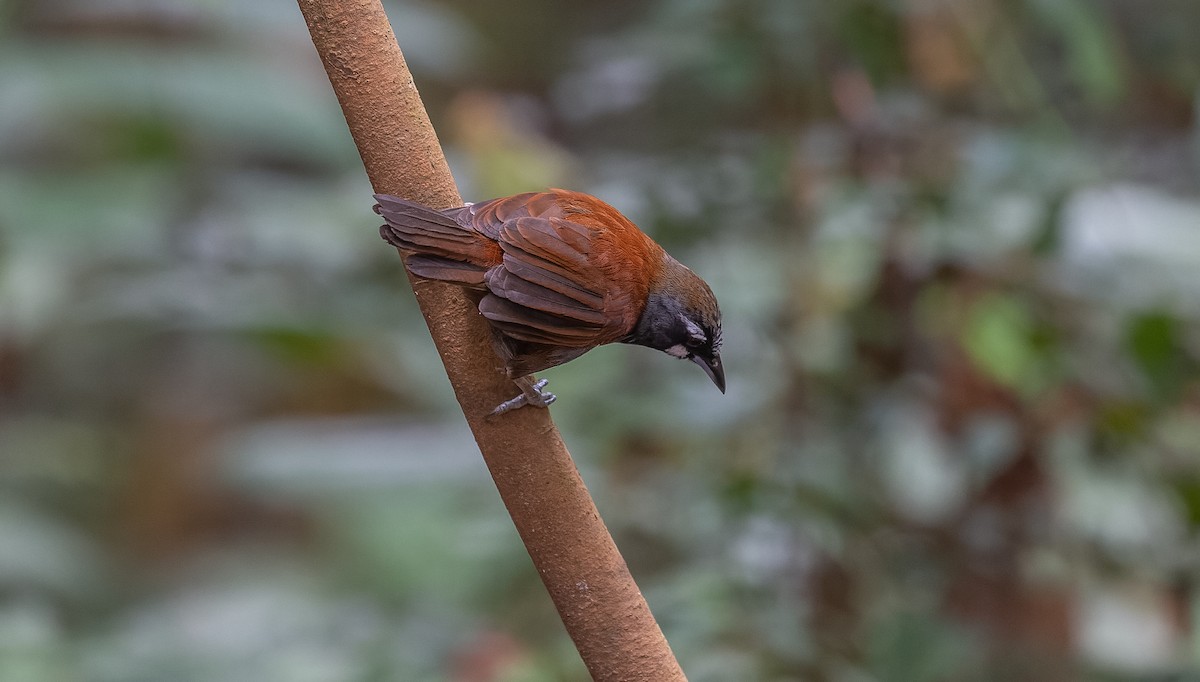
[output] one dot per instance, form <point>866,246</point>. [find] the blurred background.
<point>956,243</point>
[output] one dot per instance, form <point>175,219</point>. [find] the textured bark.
<point>601,606</point>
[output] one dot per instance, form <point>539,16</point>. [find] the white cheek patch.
<point>678,351</point>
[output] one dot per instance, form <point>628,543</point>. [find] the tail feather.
<point>436,245</point>
<point>394,205</point>
<point>446,270</point>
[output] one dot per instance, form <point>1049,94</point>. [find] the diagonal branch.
<point>600,605</point>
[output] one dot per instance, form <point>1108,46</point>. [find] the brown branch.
<point>601,606</point>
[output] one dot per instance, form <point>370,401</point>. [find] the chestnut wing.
<point>547,289</point>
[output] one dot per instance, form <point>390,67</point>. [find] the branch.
<point>600,605</point>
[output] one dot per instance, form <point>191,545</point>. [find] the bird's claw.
<point>532,394</point>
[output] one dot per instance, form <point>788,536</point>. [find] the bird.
<point>557,273</point>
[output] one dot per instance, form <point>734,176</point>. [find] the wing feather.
<point>534,326</point>
<point>532,270</point>
<point>526,293</point>
<point>543,237</point>
<point>546,289</point>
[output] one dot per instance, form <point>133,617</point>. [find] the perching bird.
<point>556,274</point>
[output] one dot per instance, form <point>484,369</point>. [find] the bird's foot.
<point>531,394</point>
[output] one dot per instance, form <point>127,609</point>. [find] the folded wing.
<point>546,290</point>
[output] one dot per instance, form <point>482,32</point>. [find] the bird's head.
<point>682,319</point>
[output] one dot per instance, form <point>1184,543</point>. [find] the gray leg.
<point>531,394</point>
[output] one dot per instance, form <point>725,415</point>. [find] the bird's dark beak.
<point>713,369</point>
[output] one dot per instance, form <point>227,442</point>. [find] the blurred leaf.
<point>915,647</point>
<point>218,100</point>
<point>871,31</point>
<point>424,544</point>
<point>1093,53</point>
<point>998,337</point>
<point>1188,490</point>
<point>1123,421</point>
<point>1155,343</point>
<point>1048,237</point>
<point>300,346</point>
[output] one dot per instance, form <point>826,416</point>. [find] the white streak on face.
<point>694,330</point>
<point>678,351</point>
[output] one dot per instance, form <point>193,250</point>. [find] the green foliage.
<point>1000,338</point>
<point>1090,43</point>
<point>1155,341</point>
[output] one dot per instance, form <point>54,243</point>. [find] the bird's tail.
<point>436,245</point>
